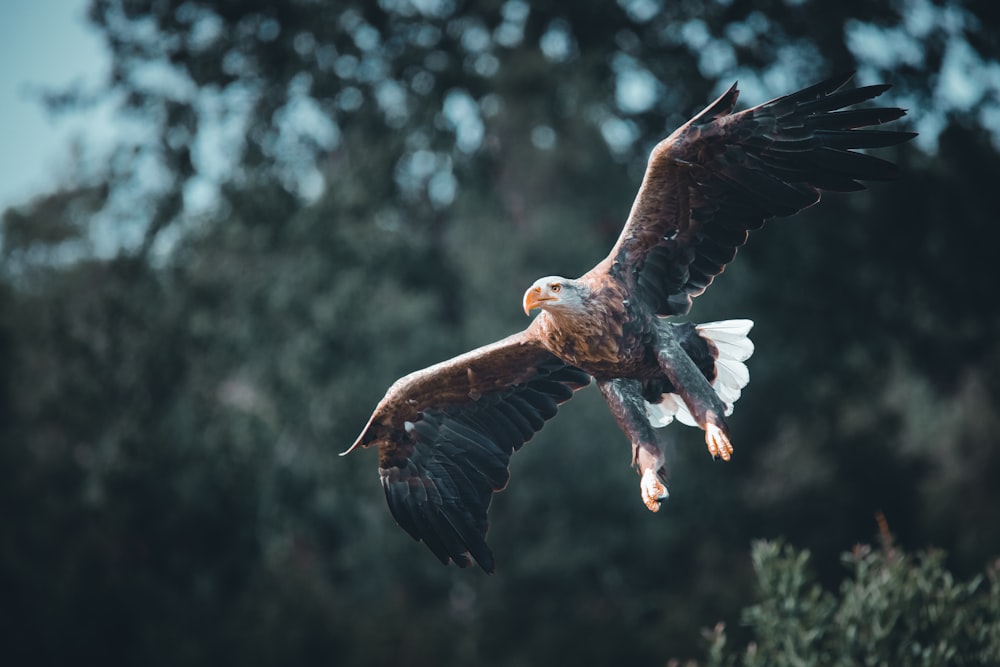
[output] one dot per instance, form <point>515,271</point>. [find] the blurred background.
<point>229,226</point>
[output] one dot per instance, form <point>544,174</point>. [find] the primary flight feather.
<point>445,434</point>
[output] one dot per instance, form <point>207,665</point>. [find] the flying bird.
<point>445,434</point>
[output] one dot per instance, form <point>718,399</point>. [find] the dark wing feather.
<point>722,174</point>
<point>445,436</point>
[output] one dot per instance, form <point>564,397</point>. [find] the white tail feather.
<point>662,413</point>
<point>738,329</point>
<point>730,339</point>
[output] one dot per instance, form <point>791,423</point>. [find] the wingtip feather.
<point>722,106</point>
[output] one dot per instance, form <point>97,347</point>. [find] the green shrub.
<point>894,609</point>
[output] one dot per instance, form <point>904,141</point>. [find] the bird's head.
<point>555,293</point>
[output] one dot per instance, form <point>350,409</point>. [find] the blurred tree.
<point>322,197</point>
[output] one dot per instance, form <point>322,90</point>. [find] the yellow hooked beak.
<point>533,299</point>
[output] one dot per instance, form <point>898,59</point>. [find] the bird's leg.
<point>650,466</point>
<point>624,397</point>
<point>691,385</point>
<point>717,440</point>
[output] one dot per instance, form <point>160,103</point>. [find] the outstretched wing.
<point>722,174</point>
<point>445,435</point>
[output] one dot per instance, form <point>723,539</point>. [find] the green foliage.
<point>893,609</point>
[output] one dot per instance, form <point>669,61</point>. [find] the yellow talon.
<point>653,491</point>
<point>718,443</point>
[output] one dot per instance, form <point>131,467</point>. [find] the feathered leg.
<point>625,399</point>
<point>690,384</point>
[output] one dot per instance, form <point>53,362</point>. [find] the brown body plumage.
<point>602,338</point>
<point>445,433</point>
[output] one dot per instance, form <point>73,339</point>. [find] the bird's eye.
<point>555,287</point>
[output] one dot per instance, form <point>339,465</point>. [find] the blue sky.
<point>44,44</point>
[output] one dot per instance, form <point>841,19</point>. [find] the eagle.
<point>445,434</point>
